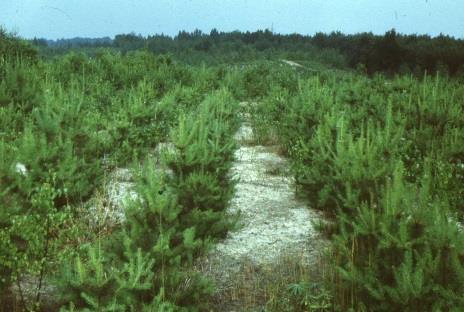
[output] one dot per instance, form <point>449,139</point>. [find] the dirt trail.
<point>273,222</point>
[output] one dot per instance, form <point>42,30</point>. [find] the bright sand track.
<point>272,224</point>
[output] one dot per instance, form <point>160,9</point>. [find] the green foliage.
<point>70,120</point>
<point>146,263</point>
<point>201,165</point>
<point>13,49</point>
<point>346,170</point>
<point>92,276</point>
<point>310,296</point>
<point>30,238</point>
<point>383,159</point>
<point>44,158</point>
<point>20,92</point>
<point>198,48</point>
<point>171,222</point>
<point>404,252</point>
<point>95,285</point>
<point>19,86</point>
<point>257,80</point>
<point>389,53</point>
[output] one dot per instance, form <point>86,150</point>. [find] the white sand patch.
<point>273,223</point>
<point>291,63</point>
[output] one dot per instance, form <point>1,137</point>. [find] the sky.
<point>53,19</point>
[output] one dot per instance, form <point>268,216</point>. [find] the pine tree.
<point>402,252</point>
<point>201,167</point>
<point>146,264</point>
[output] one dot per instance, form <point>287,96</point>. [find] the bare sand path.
<point>273,223</point>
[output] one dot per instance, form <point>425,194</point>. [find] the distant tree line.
<point>391,52</point>
<point>74,42</point>
<point>395,52</point>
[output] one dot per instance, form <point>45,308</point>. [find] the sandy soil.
<point>273,223</point>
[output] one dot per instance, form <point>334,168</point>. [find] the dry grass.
<point>265,287</point>
<point>266,137</point>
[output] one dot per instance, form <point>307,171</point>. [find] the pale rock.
<point>21,169</point>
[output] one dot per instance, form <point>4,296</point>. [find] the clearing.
<point>274,228</point>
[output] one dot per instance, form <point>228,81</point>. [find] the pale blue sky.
<point>97,18</point>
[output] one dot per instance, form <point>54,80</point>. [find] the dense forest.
<point>390,53</point>
<point>372,127</point>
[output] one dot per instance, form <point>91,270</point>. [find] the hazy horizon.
<point>54,19</point>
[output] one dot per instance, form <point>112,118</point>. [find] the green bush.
<point>256,80</point>
<point>30,240</point>
<point>170,223</point>
<point>383,158</point>
<point>20,92</point>
<point>201,165</point>
<point>403,252</point>
<point>13,49</point>
<point>146,264</point>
